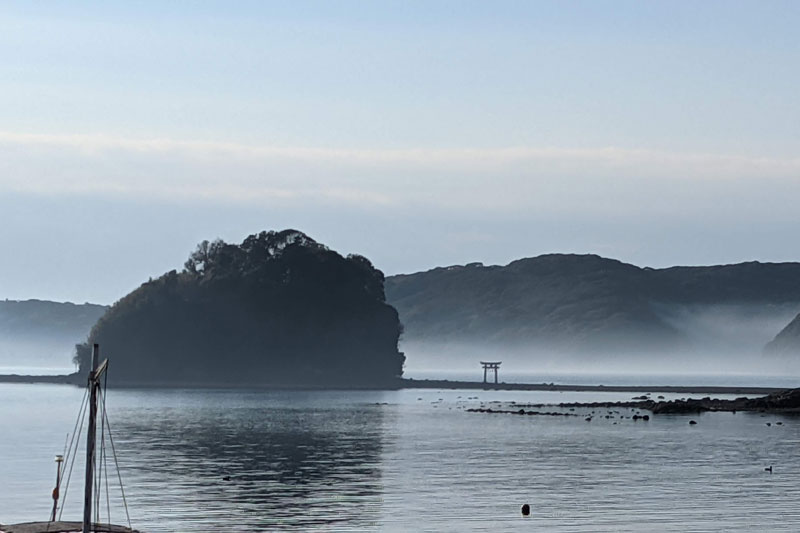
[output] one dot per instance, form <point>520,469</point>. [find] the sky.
<point>419,134</point>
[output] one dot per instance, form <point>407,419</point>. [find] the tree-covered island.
<point>279,309</point>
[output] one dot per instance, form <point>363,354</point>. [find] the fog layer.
<point>716,340</point>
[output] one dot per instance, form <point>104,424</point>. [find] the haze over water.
<point>409,460</point>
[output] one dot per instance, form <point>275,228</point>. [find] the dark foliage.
<point>277,309</point>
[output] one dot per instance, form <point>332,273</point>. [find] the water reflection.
<point>273,466</point>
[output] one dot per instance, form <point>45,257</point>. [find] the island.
<point>278,310</point>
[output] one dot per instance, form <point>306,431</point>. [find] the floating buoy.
<point>526,509</point>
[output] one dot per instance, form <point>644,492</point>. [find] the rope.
<point>64,454</point>
<point>98,461</point>
<point>108,497</point>
<point>103,454</point>
<point>119,476</point>
<point>72,454</point>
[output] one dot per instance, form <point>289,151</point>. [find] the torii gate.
<point>489,365</point>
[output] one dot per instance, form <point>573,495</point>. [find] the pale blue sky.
<point>416,133</point>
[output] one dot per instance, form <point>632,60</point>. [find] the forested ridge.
<point>587,302</point>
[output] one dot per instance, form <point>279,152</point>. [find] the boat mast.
<point>91,438</point>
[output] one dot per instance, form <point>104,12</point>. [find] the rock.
<point>692,422</point>
<point>788,400</point>
<point>679,407</point>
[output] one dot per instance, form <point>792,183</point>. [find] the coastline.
<point>61,379</point>
<point>408,383</point>
<point>677,389</point>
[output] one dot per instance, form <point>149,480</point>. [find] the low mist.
<point>719,342</point>
<point>36,356</point>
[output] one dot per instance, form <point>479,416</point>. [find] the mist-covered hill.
<point>36,333</point>
<point>277,309</point>
<point>586,304</point>
<point>787,341</point>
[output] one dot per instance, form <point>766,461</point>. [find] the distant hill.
<point>36,333</point>
<point>787,341</point>
<point>278,309</point>
<point>587,303</point>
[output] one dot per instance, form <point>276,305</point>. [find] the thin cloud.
<point>488,178</point>
<point>95,144</point>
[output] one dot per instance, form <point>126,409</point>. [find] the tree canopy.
<point>277,309</point>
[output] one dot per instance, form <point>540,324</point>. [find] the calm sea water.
<point>411,460</point>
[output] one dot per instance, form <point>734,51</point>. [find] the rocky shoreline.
<point>787,401</point>
<point>784,402</point>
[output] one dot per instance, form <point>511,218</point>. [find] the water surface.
<point>411,460</point>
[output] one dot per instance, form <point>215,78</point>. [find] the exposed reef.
<point>786,401</point>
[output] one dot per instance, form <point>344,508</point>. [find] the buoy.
<point>526,509</point>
